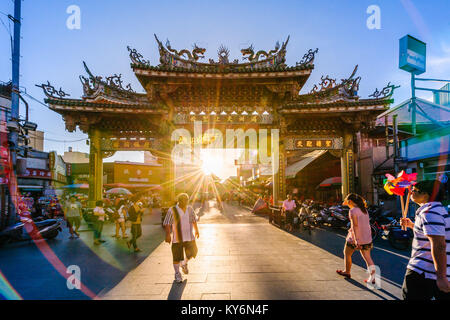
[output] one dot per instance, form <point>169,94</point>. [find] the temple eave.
<point>221,75</point>
<point>335,107</point>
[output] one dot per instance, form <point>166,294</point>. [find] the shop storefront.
<point>428,154</point>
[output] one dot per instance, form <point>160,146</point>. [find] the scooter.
<point>337,217</point>
<point>28,229</point>
<point>305,219</point>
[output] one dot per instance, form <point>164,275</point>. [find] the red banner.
<point>37,173</point>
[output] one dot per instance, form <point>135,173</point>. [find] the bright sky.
<point>50,51</point>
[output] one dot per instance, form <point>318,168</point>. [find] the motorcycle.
<point>305,218</point>
<point>28,229</point>
<point>337,217</point>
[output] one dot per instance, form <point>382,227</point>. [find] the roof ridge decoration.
<point>346,90</point>
<point>186,59</point>
<point>197,52</point>
<point>254,57</point>
<point>137,58</point>
<point>308,58</point>
<point>51,92</point>
<point>110,88</point>
<point>386,92</point>
<point>349,86</point>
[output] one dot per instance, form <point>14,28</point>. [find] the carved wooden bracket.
<point>84,121</point>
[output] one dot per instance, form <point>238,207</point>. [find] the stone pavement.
<point>245,261</point>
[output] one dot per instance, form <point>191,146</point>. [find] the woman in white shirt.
<point>120,219</point>
<point>100,214</point>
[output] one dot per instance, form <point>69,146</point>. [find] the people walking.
<point>359,236</point>
<point>135,216</point>
<point>99,212</point>
<point>288,209</point>
<point>180,220</point>
<point>73,215</point>
<point>428,270</point>
<point>120,219</point>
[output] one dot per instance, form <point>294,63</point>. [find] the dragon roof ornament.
<point>51,92</point>
<point>189,59</point>
<point>254,57</point>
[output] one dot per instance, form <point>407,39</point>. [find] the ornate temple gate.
<point>261,93</point>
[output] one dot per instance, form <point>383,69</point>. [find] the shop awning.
<point>133,186</point>
<point>77,186</point>
<point>296,167</point>
<point>31,187</point>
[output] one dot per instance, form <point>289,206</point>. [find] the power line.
<point>33,98</point>
<point>56,140</point>
<point>7,29</point>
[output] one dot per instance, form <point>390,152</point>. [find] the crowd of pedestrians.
<point>120,211</point>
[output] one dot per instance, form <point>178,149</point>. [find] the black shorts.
<point>368,246</point>
<point>190,248</point>
<point>417,287</point>
<point>73,222</point>
<point>290,216</point>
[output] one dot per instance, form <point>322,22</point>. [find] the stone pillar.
<point>347,164</point>
<point>168,174</point>
<point>95,168</point>
<point>278,173</point>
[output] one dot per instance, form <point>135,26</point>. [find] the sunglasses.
<point>415,191</point>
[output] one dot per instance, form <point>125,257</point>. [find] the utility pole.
<point>413,103</point>
<point>15,105</point>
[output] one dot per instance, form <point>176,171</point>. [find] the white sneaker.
<point>185,269</point>
<point>178,277</point>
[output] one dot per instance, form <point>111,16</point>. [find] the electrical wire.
<point>7,29</point>
<point>33,98</point>
<point>56,140</point>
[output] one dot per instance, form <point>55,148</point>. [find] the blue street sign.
<point>412,57</point>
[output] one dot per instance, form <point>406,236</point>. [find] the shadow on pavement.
<point>102,267</point>
<point>391,263</point>
<point>176,292</point>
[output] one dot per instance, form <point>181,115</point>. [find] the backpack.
<point>132,215</point>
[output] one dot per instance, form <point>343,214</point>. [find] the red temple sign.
<point>313,144</point>
<point>37,173</point>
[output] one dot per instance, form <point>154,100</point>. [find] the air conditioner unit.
<point>30,126</point>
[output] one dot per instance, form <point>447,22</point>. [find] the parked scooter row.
<point>28,229</point>
<point>383,222</point>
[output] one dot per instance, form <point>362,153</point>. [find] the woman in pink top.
<point>359,236</point>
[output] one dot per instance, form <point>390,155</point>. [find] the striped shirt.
<point>431,219</point>
<point>187,218</point>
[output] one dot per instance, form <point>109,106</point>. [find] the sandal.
<point>368,280</point>
<point>345,274</point>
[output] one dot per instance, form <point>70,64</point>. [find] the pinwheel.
<point>398,185</point>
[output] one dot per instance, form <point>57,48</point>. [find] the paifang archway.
<point>261,92</point>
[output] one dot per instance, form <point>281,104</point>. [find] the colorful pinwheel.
<point>398,185</point>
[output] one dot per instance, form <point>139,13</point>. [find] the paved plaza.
<point>242,256</point>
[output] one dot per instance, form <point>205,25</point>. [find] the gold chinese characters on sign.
<point>131,144</point>
<point>313,143</point>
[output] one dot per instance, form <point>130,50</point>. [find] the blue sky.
<point>50,51</point>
